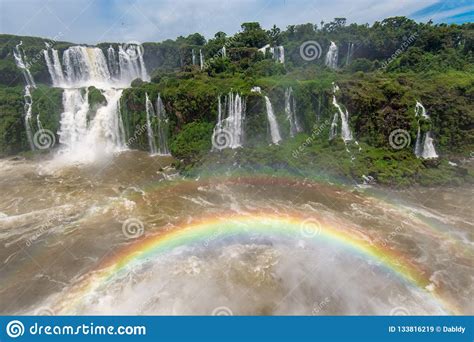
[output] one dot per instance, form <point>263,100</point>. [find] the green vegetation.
<point>393,64</point>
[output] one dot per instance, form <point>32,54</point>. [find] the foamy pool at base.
<point>226,245</point>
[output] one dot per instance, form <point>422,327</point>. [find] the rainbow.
<point>207,229</point>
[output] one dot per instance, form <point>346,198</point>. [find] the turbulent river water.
<point>128,235</point>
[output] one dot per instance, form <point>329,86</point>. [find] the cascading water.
<point>20,61</point>
<point>277,52</point>
<point>333,131</point>
<point>163,124</point>
<point>233,124</point>
<point>74,118</point>
<point>151,136</point>
<point>106,129</point>
<point>86,66</point>
<point>274,129</point>
<point>424,146</point>
<point>54,66</point>
<point>290,110</point>
<point>331,56</point>
<point>281,54</point>
<point>272,51</point>
<point>346,133</point>
<point>87,133</point>
<point>30,83</point>
<point>201,59</point>
<point>193,57</point>
<point>350,51</point>
<point>28,114</point>
<point>224,52</point>
<point>114,67</point>
<point>131,64</point>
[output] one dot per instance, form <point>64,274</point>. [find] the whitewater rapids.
<point>58,226</point>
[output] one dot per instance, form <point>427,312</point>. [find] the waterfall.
<point>290,111</point>
<point>346,133</point>
<point>27,109</point>
<point>429,151</point>
<point>131,66</point>
<point>274,130</point>
<point>193,57</point>
<point>201,59</point>
<point>73,124</point>
<point>331,56</point>
<point>233,124</point>
<point>86,66</point>
<point>106,129</point>
<point>86,133</point>
<point>263,49</point>
<point>21,63</point>
<point>224,52</point>
<point>219,112</point>
<point>85,138</point>
<point>277,52</point>
<point>350,51</point>
<point>281,54</point>
<point>333,131</point>
<point>163,126</point>
<point>149,114</point>
<point>272,51</point>
<point>54,67</point>
<point>424,146</point>
<point>114,67</point>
